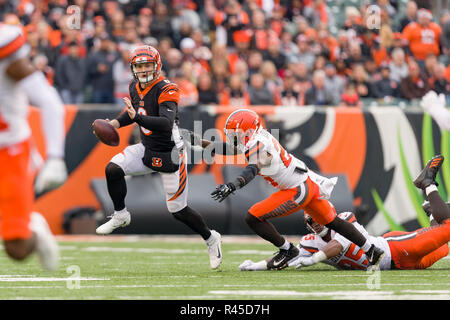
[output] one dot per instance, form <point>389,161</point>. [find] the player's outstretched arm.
<point>256,162</point>
<point>332,249</point>
<point>224,190</point>
<point>249,265</point>
<point>46,98</point>
<point>221,148</point>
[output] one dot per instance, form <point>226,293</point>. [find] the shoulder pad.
<point>169,91</point>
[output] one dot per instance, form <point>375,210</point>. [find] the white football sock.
<point>366,246</point>
<point>121,213</point>
<point>285,246</point>
<point>210,240</point>
<point>431,188</point>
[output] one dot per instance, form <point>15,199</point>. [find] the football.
<point>105,132</point>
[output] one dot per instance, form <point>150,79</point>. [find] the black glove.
<point>222,191</point>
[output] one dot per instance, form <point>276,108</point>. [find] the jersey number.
<point>309,237</point>
<point>284,155</point>
<point>353,259</point>
<point>147,132</point>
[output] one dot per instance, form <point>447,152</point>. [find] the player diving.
<point>418,249</point>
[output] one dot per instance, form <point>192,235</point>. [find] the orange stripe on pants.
<point>420,252</point>
<point>16,191</point>
<point>285,202</point>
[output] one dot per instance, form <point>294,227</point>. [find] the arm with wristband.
<point>257,160</point>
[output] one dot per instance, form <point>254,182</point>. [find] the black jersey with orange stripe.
<point>160,99</point>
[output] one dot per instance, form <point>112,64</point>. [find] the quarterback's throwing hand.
<point>222,191</point>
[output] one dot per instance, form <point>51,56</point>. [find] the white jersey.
<point>14,126</point>
<point>285,171</point>
<point>351,256</point>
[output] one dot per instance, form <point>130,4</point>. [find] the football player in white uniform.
<point>418,249</point>
<point>298,188</point>
<point>22,231</point>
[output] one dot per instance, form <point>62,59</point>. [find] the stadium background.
<point>272,56</point>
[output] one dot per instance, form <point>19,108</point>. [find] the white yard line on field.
<point>269,253</point>
<point>164,238</point>
<point>284,285</point>
<point>50,279</point>
<point>340,295</point>
<point>141,250</point>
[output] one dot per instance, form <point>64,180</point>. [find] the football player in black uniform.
<point>154,107</point>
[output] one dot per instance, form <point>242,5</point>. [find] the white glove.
<point>249,265</point>
<point>190,138</point>
<point>307,261</point>
<point>51,176</point>
<point>432,100</point>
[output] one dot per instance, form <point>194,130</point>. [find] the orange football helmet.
<point>145,54</point>
<point>241,126</point>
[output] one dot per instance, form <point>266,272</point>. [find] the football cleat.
<point>215,249</point>
<point>46,246</point>
<point>281,259</point>
<point>428,175</point>
<point>374,257</point>
<point>117,220</point>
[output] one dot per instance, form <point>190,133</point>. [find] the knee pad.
<point>113,171</point>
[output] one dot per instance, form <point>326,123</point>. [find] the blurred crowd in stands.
<point>246,52</point>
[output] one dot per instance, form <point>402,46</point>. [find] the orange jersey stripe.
<point>170,92</point>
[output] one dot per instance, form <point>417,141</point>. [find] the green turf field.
<point>178,268</point>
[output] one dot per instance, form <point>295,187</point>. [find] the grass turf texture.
<point>164,268</point>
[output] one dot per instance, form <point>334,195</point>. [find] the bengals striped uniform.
<point>153,101</point>
<point>149,102</point>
